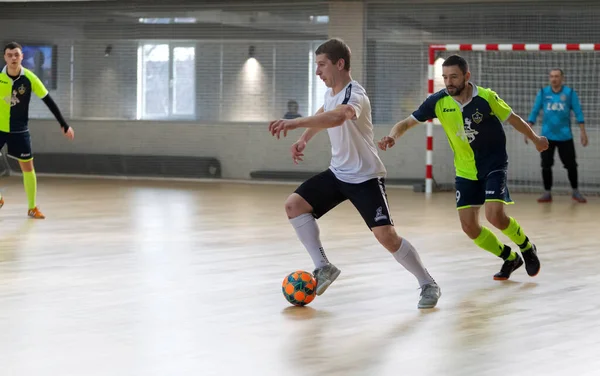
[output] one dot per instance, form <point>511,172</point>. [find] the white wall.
<point>245,147</point>
<point>241,147</point>
<point>106,85</point>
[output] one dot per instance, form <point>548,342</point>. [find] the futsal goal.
<point>517,72</point>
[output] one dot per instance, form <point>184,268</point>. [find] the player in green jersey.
<point>472,118</point>
<point>16,87</point>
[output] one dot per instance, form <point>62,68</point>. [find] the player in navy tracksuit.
<point>557,101</point>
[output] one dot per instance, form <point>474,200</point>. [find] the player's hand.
<point>584,138</point>
<point>541,143</point>
<point>386,142</point>
<point>70,133</point>
<point>297,151</point>
<point>277,126</point>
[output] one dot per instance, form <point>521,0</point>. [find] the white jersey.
<point>354,157</point>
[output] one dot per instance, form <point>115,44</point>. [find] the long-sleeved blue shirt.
<point>557,107</point>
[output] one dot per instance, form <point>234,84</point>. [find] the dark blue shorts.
<point>19,145</point>
<point>493,188</point>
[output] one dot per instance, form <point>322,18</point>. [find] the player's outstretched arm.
<point>37,86</point>
<point>297,148</point>
<point>309,133</point>
<point>396,132</point>
<point>326,119</point>
<point>540,142</point>
<point>57,114</point>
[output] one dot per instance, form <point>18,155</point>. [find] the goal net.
<point>517,72</point>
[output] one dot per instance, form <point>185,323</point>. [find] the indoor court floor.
<point>149,278</point>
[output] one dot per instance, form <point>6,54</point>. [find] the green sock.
<point>30,182</point>
<point>514,232</point>
<point>490,242</point>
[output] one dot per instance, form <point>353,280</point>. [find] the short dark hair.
<point>335,49</point>
<point>12,46</point>
<point>457,60</point>
<point>562,74</point>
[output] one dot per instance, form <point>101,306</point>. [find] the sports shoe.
<point>577,196</point>
<point>532,262</point>
<point>35,213</point>
<point>1,202</point>
<point>325,276</point>
<point>430,293</point>
<point>509,266</point>
<point>546,197</point>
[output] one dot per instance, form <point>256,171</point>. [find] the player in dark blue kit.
<point>557,101</point>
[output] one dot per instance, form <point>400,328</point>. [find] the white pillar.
<point>346,21</point>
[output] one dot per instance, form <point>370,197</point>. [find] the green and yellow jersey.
<point>16,95</point>
<point>474,130</point>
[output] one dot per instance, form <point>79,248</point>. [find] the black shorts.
<point>493,188</point>
<point>19,145</point>
<point>325,191</point>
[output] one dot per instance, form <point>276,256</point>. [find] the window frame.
<point>141,67</point>
<point>313,80</point>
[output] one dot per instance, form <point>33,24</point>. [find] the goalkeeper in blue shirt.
<point>557,101</point>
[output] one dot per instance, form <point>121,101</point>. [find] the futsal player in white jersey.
<point>356,172</point>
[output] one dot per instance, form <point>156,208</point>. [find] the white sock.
<point>308,232</point>
<point>408,257</point>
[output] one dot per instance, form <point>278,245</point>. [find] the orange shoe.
<point>35,213</point>
<point>1,202</point>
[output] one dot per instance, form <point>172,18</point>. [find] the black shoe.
<point>532,262</point>
<point>509,266</point>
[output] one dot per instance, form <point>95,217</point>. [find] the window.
<point>166,81</point>
<point>438,80</point>
<point>319,19</point>
<point>316,87</point>
<point>177,20</point>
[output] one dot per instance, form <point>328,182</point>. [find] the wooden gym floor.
<point>184,278</point>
